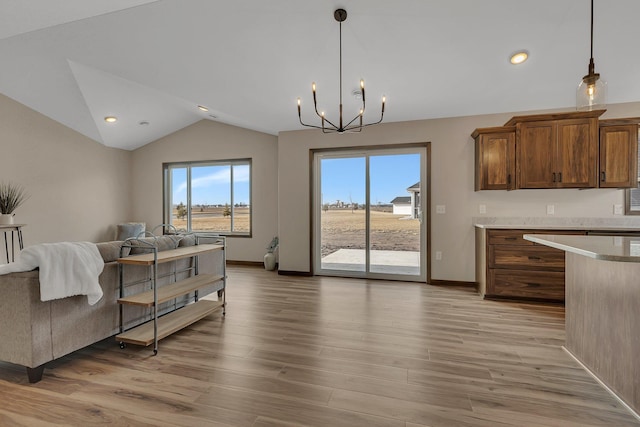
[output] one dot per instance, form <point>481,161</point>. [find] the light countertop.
<point>606,248</point>
<point>543,223</point>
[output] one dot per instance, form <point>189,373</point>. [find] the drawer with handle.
<point>547,285</point>
<point>526,257</point>
<point>514,237</point>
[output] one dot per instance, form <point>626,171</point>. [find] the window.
<point>212,196</point>
<point>632,196</point>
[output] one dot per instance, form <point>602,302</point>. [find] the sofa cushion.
<point>188,240</point>
<point>162,242</point>
<point>110,251</point>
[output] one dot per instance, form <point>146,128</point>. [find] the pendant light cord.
<point>591,31</point>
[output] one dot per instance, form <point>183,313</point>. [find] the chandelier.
<point>356,124</point>
<point>592,91</point>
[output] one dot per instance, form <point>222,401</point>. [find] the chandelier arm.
<point>332,125</point>
<point>353,120</point>
<point>304,124</point>
<point>368,124</point>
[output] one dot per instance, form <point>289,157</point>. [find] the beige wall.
<point>78,188</point>
<point>208,140</point>
<point>452,175</point>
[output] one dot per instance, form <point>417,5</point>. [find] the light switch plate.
<point>440,209</point>
<point>551,209</point>
<point>617,209</point>
<point>438,256</point>
<point>482,209</point>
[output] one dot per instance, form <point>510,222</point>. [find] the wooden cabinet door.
<point>619,156</point>
<point>495,161</point>
<point>535,154</point>
<point>577,153</point>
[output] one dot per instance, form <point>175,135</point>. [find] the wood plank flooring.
<point>297,351</point>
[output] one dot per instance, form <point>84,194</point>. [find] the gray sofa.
<point>33,332</point>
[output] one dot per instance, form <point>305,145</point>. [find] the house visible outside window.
<point>632,196</point>
<point>211,196</point>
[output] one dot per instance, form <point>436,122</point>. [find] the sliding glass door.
<point>368,217</point>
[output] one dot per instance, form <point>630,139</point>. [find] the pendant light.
<point>592,90</point>
<point>356,124</point>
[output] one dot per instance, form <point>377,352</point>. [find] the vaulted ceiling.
<point>154,62</point>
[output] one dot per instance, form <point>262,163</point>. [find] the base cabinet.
<point>510,267</point>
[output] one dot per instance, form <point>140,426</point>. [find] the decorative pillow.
<point>130,229</point>
<point>188,240</point>
<point>110,251</point>
<point>162,242</point>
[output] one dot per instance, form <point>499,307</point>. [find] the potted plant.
<point>270,257</point>
<point>11,197</point>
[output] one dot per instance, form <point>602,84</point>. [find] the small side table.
<point>17,228</point>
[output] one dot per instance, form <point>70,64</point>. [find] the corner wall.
<point>79,189</point>
<point>208,140</point>
<point>452,185</point>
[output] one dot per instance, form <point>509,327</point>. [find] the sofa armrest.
<point>25,321</point>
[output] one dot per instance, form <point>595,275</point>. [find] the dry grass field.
<point>212,219</point>
<point>346,229</point>
<point>341,228</point>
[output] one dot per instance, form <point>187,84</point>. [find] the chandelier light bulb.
<point>313,86</point>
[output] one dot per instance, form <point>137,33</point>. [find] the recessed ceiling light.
<point>111,119</point>
<point>519,57</point>
<point>203,108</point>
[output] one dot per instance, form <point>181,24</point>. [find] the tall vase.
<point>270,261</point>
<point>6,219</point>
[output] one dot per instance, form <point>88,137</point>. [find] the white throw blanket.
<point>66,269</point>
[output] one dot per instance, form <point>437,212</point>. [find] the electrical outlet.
<point>617,209</point>
<point>482,209</point>
<point>438,255</point>
<point>440,209</point>
<point>551,210</point>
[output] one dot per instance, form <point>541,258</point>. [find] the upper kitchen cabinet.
<point>619,153</point>
<point>557,150</point>
<point>495,158</point>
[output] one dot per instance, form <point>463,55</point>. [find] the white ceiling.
<point>77,61</point>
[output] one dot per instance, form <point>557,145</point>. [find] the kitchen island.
<point>602,308</point>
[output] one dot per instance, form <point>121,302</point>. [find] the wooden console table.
<point>17,228</point>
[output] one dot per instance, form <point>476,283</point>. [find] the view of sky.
<point>342,179</point>
<point>390,176</point>
<point>210,185</point>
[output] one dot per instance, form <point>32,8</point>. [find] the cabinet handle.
<point>533,285</point>
<point>510,238</point>
<point>603,176</point>
<point>534,258</point>
<point>509,179</point>
<point>554,177</point>
<point>560,179</point>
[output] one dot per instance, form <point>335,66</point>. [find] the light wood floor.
<point>328,352</point>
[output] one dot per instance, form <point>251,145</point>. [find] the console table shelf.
<point>169,323</point>
<point>170,255</point>
<point>174,290</point>
<point>179,316</point>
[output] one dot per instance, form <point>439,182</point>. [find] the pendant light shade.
<point>591,93</point>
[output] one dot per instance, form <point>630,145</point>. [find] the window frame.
<point>188,165</point>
